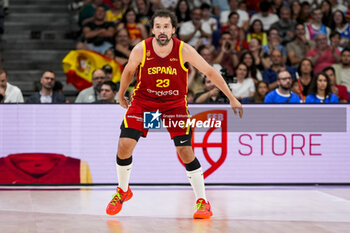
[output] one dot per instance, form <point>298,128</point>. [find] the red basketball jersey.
<point>161,79</point>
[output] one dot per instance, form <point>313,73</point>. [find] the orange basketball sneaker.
<point>203,209</point>
<point>116,204</point>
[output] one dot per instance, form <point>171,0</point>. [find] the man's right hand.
<point>124,101</point>
<point>236,105</point>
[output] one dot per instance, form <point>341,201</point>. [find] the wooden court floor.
<point>168,209</point>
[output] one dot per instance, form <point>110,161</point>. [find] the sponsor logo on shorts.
<point>136,117</point>
<point>163,93</point>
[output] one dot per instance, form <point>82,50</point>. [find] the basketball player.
<point>162,85</point>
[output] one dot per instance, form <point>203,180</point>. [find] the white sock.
<point>197,182</point>
<point>123,173</point>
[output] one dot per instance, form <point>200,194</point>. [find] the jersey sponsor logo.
<point>162,70</point>
<point>163,93</point>
<point>149,58</point>
<point>173,59</point>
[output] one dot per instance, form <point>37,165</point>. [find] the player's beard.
<point>165,42</point>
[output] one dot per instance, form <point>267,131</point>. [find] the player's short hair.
<point>165,13</point>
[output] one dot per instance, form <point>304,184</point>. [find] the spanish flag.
<point>78,66</point>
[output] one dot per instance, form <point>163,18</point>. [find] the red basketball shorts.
<point>172,113</point>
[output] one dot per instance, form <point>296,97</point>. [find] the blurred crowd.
<point>277,51</point>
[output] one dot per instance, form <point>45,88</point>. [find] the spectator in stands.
<point>226,56</point>
<point>276,6</point>
<point>207,20</point>
<point>88,12</point>
<point>192,31</point>
<point>116,13</point>
<point>12,93</point>
<point>244,86</point>
<point>262,88</point>
<point>326,8</point>
<point>211,94</point>
<point>58,87</point>
<point>238,40</point>
<point>296,89</point>
<point>274,42</point>
<point>97,33</point>
<point>316,26</point>
<point>233,19</point>
<point>108,71</point>
<point>108,93</point>
<point>342,70</point>
<point>304,16</point>
<point>128,4</point>
<point>168,4</point>
<point>295,9</point>
<point>46,94</point>
<point>321,91</point>
<point>299,46</point>
<point>285,25</point>
<point>243,17</point>
<point>242,5</point>
<point>337,6</point>
<point>265,16</point>
<point>110,53</point>
<point>270,74</point>
<point>256,31</point>
<point>2,95</point>
<point>123,47</point>
<point>258,53</point>
<point>283,93</point>
<point>323,55</point>
<point>339,90</point>
<point>195,78</point>
<point>220,6</point>
<point>137,31</point>
<point>183,12</point>
<point>198,3</point>
<point>144,13</point>
<point>91,94</point>
<point>207,54</point>
<point>339,24</point>
<point>305,72</point>
<point>253,72</point>
<point>334,39</point>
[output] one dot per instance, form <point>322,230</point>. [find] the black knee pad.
<point>130,133</point>
<point>124,162</point>
<point>183,140</point>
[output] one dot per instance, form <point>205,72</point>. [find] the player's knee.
<point>125,147</point>
<point>186,153</point>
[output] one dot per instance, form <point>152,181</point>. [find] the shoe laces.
<point>116,197</point>
<point>199,206</point>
